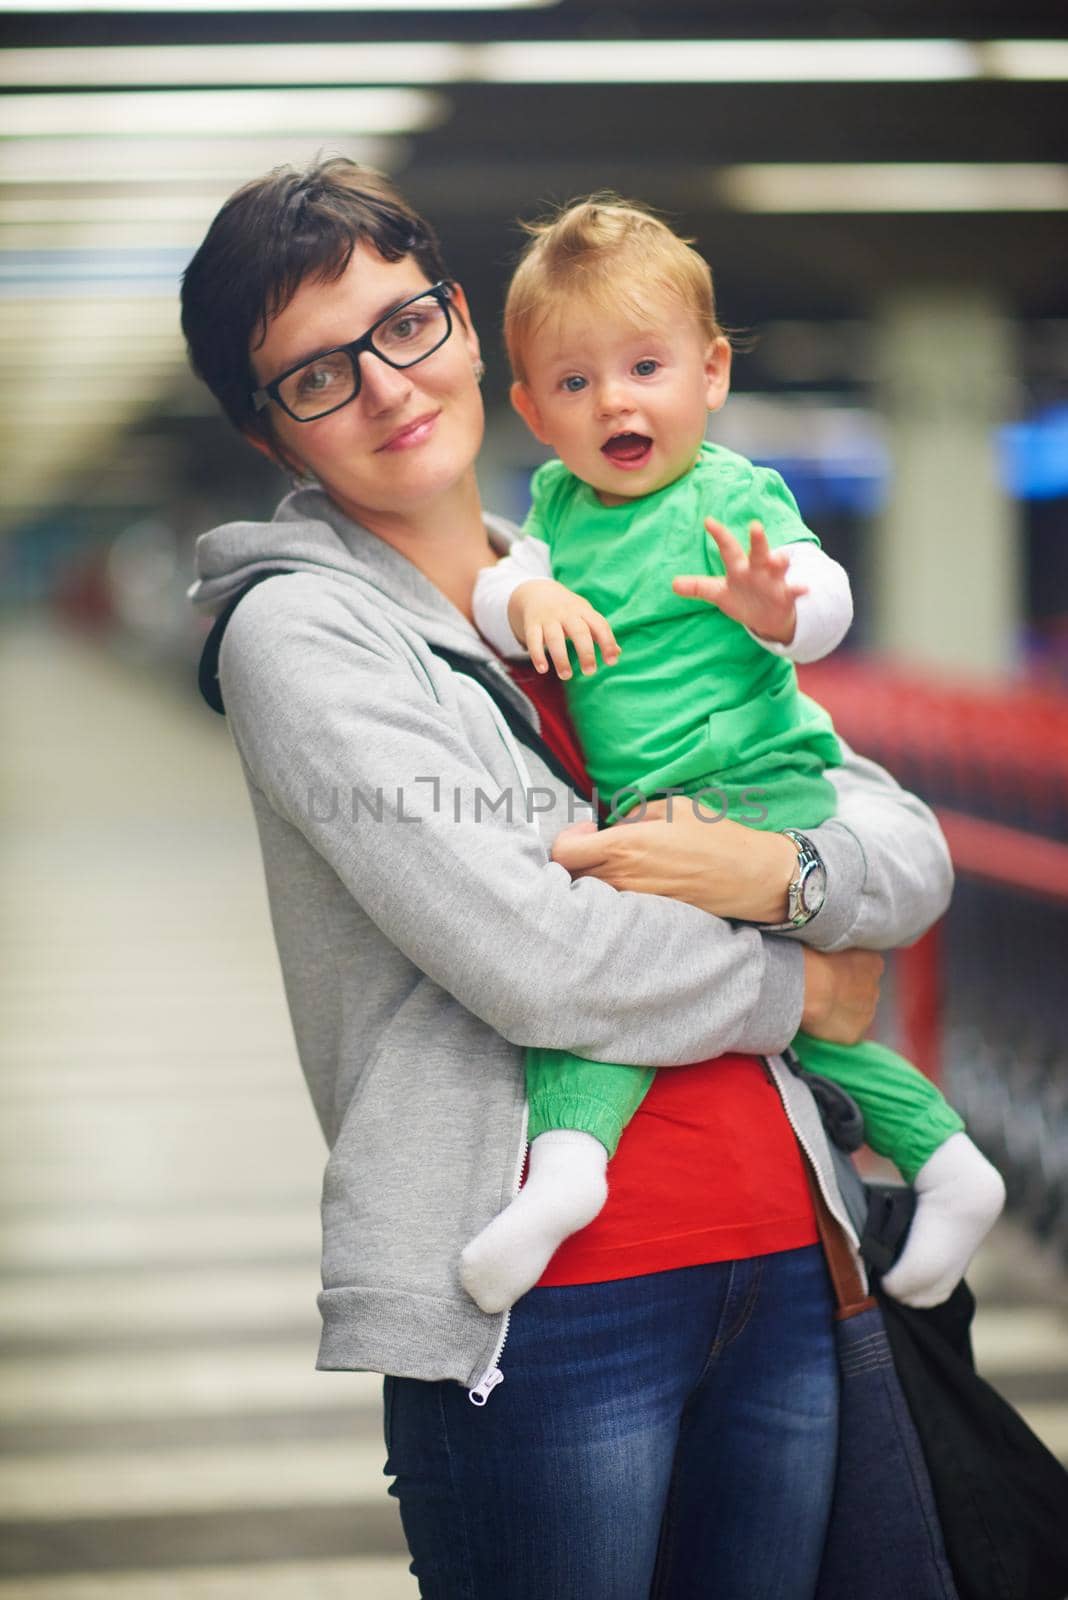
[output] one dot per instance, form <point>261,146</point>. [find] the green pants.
<point>905,1117</point>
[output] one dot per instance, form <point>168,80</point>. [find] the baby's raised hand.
<point>756,590</point>
<point>544,615</point>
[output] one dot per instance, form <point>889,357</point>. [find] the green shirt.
<point>693,701</point>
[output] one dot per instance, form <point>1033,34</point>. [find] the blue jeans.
<point>667,1436</point>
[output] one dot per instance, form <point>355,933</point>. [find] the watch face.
<point>813,888</point>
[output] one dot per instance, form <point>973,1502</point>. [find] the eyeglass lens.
<point>412,332</point>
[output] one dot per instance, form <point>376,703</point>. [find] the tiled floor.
<point>164,1433</point>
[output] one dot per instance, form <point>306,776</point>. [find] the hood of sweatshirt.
<point>310,533</point>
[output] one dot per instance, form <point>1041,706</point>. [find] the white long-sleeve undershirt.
<point>823,614</point>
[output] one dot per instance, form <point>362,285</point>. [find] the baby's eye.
<point>646,368</point>
<point>573,384</point>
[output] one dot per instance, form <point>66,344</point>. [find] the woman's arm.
<point>890,858</point>
<point>321,705</point>
<point>888,869</point>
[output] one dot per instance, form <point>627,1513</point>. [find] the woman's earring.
<point>479,369</point>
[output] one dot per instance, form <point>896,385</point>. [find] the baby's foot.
<point>959,1197</point>
<point>565,1189</point>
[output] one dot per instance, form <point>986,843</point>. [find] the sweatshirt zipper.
<point>493,1374</point>
<point>830,1200</point>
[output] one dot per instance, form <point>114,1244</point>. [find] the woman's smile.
<point>411,433</point>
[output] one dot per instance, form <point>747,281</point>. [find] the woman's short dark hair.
<point>268,237</point>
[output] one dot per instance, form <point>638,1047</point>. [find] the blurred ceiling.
<point>820,155</point>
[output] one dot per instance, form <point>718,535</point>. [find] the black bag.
<point>883,1541</point>
<point>1002,1497</point>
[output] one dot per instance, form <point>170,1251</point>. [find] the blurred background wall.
<point>882,190</point>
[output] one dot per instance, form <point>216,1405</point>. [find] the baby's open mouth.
<point>627,449</point>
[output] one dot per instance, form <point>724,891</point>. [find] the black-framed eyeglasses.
<point>404,336</point>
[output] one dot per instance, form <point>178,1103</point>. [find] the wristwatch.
<point>808,887</point>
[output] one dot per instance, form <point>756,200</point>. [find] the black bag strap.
<point>849,1291</point>
<point>891,1207</point>
<point>523,731</point>
<point>208,670</point>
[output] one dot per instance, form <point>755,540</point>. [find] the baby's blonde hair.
<point>608,252</point>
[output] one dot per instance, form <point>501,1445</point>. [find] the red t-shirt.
<point>708,1168</point>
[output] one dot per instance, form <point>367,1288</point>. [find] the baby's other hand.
<point>544,615</point>
<point>756,590</point>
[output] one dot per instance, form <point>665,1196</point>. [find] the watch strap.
<point>808,857</point>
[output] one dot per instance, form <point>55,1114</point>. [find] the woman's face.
<point>409,437</point>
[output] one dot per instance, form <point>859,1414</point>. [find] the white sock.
<point>959,1197</point>
<point>566,1187</point>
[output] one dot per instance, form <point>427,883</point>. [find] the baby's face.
<point>624,405</point>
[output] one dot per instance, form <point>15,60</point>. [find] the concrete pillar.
<point>948,560</point>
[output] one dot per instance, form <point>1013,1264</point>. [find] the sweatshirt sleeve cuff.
<point>832,926</point>
<point>776,1016</point>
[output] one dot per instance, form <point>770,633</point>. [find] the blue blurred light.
<point>1034,456</point>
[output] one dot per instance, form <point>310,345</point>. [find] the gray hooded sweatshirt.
<point>426,937</point>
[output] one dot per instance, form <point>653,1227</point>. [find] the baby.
<point>618,358</point>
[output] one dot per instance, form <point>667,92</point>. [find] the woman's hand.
<point>544,615</point>
<point>717,865</point>
<point>841,994</point>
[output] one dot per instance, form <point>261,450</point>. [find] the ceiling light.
<point>555,61</point>
<point>130,66</point>
<point>889,187</point>
<point>552,61</point>
<point>222,163</point>
<point>1033,59</point>
<point>728,61</point>
<point>258,6</point>
<point>199,112</point>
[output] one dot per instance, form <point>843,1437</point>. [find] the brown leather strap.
<point>848,1285</point>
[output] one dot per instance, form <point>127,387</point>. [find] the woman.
<point>667,1418</point>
